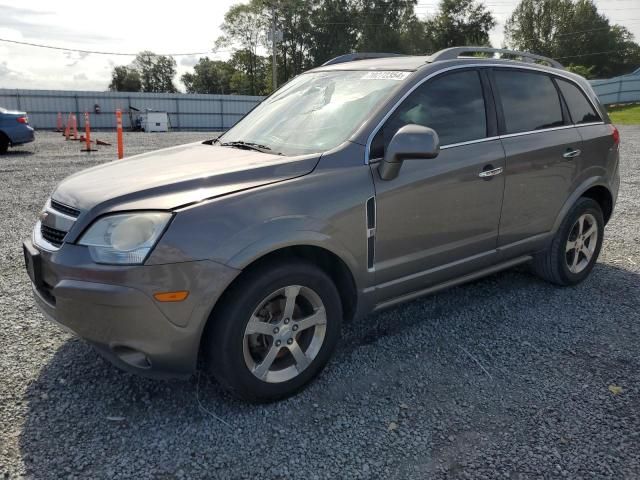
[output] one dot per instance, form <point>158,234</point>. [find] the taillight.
<point>24,119</point>
<point>615,134</point>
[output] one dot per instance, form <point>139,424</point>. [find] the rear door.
<point>542,150</point>
<point>597,140</point>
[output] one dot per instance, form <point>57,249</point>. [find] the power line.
<point>577,32</point>
<point>587,54</point>
<point>96,52</point>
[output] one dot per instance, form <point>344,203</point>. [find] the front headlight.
<point>124,238</point>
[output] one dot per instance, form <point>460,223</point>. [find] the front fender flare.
<point>288,238</point>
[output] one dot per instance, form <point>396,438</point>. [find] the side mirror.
<point>409,143</point>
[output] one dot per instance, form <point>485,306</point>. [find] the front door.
<point>439,218</point>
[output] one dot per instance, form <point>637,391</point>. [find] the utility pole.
<point>274,65</point>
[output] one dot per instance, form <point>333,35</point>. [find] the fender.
<point>284,237</point>
<point>594,181</point>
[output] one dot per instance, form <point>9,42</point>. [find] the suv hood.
<point>177,176</point>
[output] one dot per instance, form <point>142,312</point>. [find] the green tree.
<point>384,25</point>
<point>156,72</point>
<point>293,18</point>
<point>586,72</point>
<point>249,82</point>
<point>244,29</point>
<point>460,22</point>
<point>334,30</point>
<point>125,79</point>
<point>572,32</point>
<point>209,76</point>
<point>535,25</point>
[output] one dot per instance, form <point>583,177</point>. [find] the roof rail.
<point>455,52</point>
<point>350,57</point>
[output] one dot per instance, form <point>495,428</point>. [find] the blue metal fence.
<point>186,111</point>
<point>201,111</point>
<point>624,89</point>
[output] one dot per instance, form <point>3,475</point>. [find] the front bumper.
<point>112,307</point>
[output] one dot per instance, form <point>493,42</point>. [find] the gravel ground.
<point>508,377</point>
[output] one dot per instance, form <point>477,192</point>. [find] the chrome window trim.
<point>589,124</point>
<point>460,144</point>
<point>478,65</point>
<point>532,132</point>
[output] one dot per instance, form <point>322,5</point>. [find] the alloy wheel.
<point>284,334</point>
<point>582,242</point>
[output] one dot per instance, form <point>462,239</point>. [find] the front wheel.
<point>575,247</point>
<point>274,331</point>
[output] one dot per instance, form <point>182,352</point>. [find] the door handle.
<point>572,153</point>
<point>490,172</point>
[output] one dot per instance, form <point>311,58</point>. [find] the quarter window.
<point>451,104</point>
<point>530,101</point>
<point>579,107</point>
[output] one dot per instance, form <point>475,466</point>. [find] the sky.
<point>129,27</point>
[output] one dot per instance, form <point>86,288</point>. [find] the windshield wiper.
<point>248,146</point>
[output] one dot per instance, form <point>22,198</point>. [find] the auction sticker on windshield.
<point>385,75</point>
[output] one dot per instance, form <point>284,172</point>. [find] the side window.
<point>530,101</point>
<point>451,104</point>
<point>579,107</point>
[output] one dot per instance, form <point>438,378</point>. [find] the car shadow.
<point>85,415</point>
<point>16,152</point>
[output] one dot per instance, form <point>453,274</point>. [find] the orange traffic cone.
<point>87,131</point>
<point>75,126</point>
<point>67,129</point>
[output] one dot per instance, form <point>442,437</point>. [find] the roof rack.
<point>350,57</point>
<point>456,52</point>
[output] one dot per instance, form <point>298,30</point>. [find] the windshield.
<point>314,112</point>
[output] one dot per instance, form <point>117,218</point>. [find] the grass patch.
<point>625,114</point>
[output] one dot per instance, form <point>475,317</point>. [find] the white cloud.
<point>119,26</point>
<point>189,61</point>
<point>126,26</point>
<point>6,72</point>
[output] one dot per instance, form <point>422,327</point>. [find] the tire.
<point>4,144</point>
<point>572,253</point>
<point>236,350</point>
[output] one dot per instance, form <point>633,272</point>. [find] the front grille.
<point>72,212</point>
<point>52,235</point>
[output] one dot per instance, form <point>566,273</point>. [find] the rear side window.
<point>530,101</point>
<point>452,104</point>
<point>579,107</point>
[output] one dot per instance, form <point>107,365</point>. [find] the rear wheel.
<point>575,248</point>
<point>274,331</point>
<point>4,144</point>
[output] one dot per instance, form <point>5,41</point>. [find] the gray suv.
<point>358,185</point>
